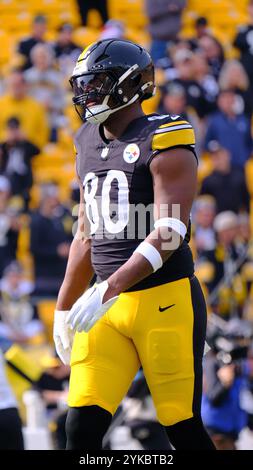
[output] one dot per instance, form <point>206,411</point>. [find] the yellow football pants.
<point>161,329</point>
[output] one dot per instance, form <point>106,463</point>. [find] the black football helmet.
<point>110,75</point>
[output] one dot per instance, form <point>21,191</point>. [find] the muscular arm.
<point>79,270</point>
<point>174,175</point>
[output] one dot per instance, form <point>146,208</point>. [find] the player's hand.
<point>63,336</point>
<point>89,308</point>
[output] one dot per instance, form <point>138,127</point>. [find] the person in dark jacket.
<point>9,225</point>
<point>51,227</point>
<point>243,42</point>
<point>39,28</point>
<point>65,49</point>
<point>227,375</point>
<point>99,5</point>
<point>16,154</point>
<point>224,181</point>
<point>231,130</point>
<point>164,24</point>
<point>221,411</point>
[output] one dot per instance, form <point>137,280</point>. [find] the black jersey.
<point>118,192</point>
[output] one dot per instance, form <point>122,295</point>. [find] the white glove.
<point>88,309</point>
<point>63,336</point>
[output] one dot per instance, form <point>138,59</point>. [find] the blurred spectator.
<point>234,77</point>
<point>19,322</point>
<point>201,27</point>
<point>204,211</point>
<point>221,410</point>
<point>113,29</point>
<point>16,154</point>
<point>230,129</point>
<point>185,67</point>
<point>39,28</point>
<point>99,5</point>
<point>30,113</point>
<point>166,63</point>
<point>224,283</point>
<point>65,49</point>
<point>206,80</point>
<point>174,100</point>
<point>50,241</point>
<point>225,180</point>
<point>10,422</point>
<point>164,24</point>
<point>244,42</point>
<point>74,192</point>
<point>244,234</point>
<point>227,372</point>
<point>9,226</point>
<point>213,51</point>
<point>46,85</point>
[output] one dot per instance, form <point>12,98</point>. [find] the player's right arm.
<point>79,273</point>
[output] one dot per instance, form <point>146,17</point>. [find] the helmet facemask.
<point>99,94</point>
<point>92,92</point>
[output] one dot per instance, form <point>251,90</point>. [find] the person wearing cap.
<point>230,128</point>
<point>226,184</point>
<point>16,154</point>
<point>225,383</point>
<point>65,49</point>
<point>39,29</point>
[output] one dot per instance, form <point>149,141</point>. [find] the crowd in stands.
<point>197,77</point>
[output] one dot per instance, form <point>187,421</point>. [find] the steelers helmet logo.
<point>131,153</point>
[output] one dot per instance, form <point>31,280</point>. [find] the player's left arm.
<point>174,175</point>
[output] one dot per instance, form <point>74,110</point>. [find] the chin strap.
<point>95,114</point>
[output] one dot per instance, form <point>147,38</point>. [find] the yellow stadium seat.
<point>85,35</point>
<point>6,47</point>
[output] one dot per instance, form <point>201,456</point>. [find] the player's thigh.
<point>103,365</point>
<point>170,346</point>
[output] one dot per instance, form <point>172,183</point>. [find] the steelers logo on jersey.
<point>131,153</point>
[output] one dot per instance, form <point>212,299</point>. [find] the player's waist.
<point>179,265</point>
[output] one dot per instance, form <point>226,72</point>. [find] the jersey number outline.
<point>97,207</point>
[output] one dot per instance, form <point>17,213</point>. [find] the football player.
<point>146,308</point>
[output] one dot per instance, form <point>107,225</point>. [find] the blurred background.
<point>203,54</point>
